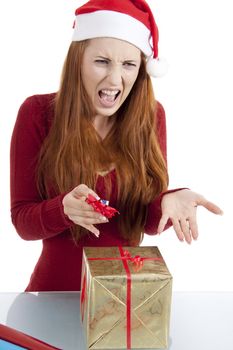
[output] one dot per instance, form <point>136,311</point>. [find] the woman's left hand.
<point>180,207</point>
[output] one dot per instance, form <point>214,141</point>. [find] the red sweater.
<point>59,266</point>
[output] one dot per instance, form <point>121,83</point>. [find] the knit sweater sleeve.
<point>32,217</point>
<point>154,211</point>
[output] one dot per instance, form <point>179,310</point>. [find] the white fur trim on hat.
<point>113,24</point>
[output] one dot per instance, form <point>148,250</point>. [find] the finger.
<point>86,214</point>
<point>193,227</point>
<point>178,230</point>
<point>79,204</point>
<point>91,215</point>
<point>92,229</point>
<point>184,224</point>
<point>213,208</point>
<point>83,190</point>
<point>162,223</point>
<point>79,220</point>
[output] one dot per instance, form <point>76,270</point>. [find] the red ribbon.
<point>83,294</point>
<point>125,254</point>
<point>138,262</point>
<point>100,207</point>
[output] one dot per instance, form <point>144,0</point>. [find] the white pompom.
<point>156,67</point>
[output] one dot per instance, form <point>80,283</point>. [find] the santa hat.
<point>129,20</point>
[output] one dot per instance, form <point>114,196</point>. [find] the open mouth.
<point>108,97</point>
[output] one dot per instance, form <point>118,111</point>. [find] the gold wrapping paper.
<point>104,299</point>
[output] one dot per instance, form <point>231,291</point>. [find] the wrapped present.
<point>125,298</point>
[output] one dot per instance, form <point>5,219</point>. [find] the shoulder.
<point>38,103</point>
<point>37,111</point>
<point>160,116</point>
<point>161,131</point>
<point>159,110</point>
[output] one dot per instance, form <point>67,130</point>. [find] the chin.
<point>107,112</point>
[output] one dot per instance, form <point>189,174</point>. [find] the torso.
<point>59,266</point>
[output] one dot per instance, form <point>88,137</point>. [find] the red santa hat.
<point>129,20</point>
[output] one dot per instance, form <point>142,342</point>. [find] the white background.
<point>195,37</point>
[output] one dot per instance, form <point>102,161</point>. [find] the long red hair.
<point>73,154</point>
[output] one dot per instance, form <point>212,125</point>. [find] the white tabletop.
<point>199,321</point>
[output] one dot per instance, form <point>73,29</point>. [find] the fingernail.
<point>97,197</point>
<point>103,218</point>
<point>96,234</point>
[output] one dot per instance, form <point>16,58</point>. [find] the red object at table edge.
<point>24,340</point>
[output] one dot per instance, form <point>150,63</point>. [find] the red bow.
<point>100,207</point>
<point>137,260</point>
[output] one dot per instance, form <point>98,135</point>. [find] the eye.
<point>101,61</point>
<point>129,64</point>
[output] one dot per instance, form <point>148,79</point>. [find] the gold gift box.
<point>125,298</point>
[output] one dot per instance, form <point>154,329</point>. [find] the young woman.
<point>103,133</point>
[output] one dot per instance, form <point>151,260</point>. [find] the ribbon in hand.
<point>101,207</point>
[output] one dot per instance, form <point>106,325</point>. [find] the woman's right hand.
<point>80,212</point>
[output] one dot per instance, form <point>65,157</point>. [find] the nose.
<point>115,75</point>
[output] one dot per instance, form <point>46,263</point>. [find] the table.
<point>199,320</point>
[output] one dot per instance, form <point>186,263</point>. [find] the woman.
<point>103,134</point>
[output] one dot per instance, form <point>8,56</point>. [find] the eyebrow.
<point>103,58</point>
<point>108,59</point>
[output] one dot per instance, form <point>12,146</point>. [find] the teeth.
<point>109,92</point>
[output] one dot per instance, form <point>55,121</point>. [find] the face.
<point>109,70</point>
